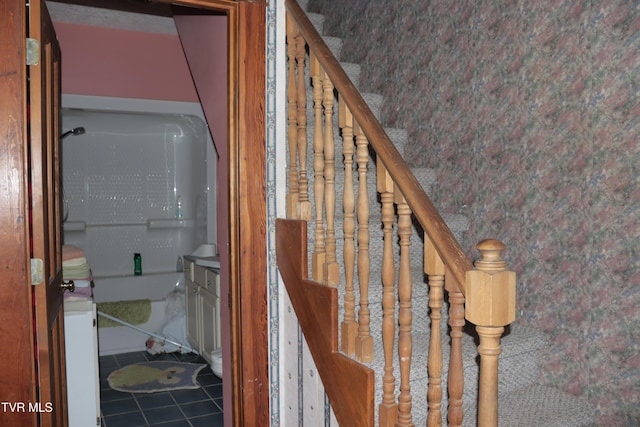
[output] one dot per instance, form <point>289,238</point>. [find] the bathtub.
<point>155,287</point>
<point>140,179</point>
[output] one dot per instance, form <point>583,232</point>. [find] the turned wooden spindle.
<point>304,205</point>
<point>388,409</point>
<point>292,137</point>
<point>434,269</point>
<point>364,341</point>
<point>404,313</point>
<point>349,328</point>
<point>331,268</point>
<point>318,255</point>
<point>455,378</point>
<point>490,305</point>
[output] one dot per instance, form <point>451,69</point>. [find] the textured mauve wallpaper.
<point>530,113</point>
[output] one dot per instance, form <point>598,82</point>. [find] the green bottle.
<point>137,264</point>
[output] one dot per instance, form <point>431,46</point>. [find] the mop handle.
<point>144,331</point>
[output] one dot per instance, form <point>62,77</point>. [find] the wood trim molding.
<point>252,214</point>
<point>247,207</point>
<point>257,2</point>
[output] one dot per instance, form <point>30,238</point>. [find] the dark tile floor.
<point>188,408</point>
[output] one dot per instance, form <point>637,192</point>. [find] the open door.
<point>43,57</point>
<point>17,370</point>
<point>32,374</point>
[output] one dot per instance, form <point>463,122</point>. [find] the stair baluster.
<point>404,314</point>
<point>491,305</point>
<point>434,269</point>
<point>364,342</point>
<point>292,137</point>
<point>349,326</point>
<point>304,205</point>
<point>388,409</point>
<point>319,254</point>
<point>332,273</point>
<point>455,381</point>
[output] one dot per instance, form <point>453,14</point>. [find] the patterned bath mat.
<point>151,377</point>
<point>136,312</point>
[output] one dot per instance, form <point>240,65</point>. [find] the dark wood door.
<point>17,369</point>
<point>46,233</point>
<point>32,370</point>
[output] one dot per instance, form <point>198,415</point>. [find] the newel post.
<point>490,305</point>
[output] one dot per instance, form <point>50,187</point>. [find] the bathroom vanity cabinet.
<point>202,306</point>
<point>81,353</point>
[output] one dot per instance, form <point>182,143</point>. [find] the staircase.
<point>522,401</point>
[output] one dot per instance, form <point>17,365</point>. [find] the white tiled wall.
<point>121,181</point>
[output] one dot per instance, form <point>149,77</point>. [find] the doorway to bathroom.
<point>133,93</point>
<point>246,205</point>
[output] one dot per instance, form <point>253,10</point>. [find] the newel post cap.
<point>490,289</point>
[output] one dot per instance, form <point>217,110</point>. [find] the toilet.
<point>216,362</point>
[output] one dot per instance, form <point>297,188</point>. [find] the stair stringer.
<point>349,384</point>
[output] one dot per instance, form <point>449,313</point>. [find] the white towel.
<point>81,283</point>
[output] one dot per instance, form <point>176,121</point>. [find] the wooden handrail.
<point>441,236</point>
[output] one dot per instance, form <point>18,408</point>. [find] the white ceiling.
<point>85,15</point>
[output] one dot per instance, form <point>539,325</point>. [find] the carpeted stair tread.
<point>317,20</point>
<point>512,344</point>
<point>353,72</point>
<point>399,137</point>
<point>516,370</point>
<point>334,44</point>
<point>539,405</point>
<point>374,101</point>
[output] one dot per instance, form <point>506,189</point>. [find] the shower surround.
<point>122,180</point>
<point>136,182</point>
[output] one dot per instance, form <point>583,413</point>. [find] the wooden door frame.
<point>247,207</point>
<point>247,215</point>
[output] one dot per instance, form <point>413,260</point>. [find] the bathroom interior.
<point>136,183</point>
<point>141,179</point>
